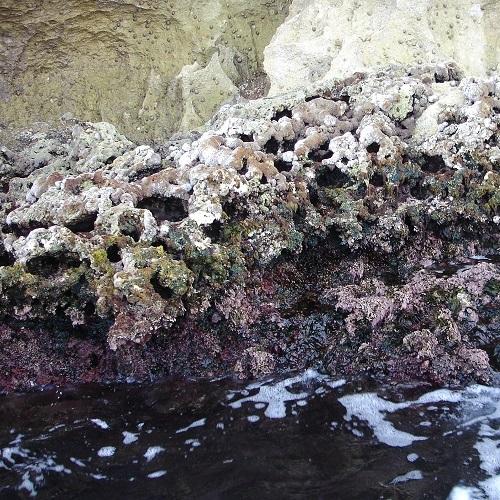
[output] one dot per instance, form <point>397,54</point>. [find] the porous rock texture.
<point>311,229</point>
<point>324,39</point>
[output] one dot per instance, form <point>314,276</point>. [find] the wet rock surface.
<point>309,229</point>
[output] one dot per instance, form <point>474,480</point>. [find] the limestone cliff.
<point>323,39</point>
<point>122,61</point>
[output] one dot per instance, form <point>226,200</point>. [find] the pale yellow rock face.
<point>120,61</point>
<point>325,39</point>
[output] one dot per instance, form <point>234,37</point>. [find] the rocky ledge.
<point>352,227</point>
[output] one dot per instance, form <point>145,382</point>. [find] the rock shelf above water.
<point>298,230</point>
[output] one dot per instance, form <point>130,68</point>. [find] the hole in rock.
<point>313,196</point>
<point>282,166</point>
<point>345,98</point>
<point>281,114</point>
<point>374,147</point>
<point>48,265</point>
<point>419,192</point>
<point>493,351</point>
<point>235,211</point>
<point>288,146</point>
<point>433,164</point>
<point>439,78</point>
<point>272,146</point>
<point>113,253</point>
<point>172,209</point>
<point>128,228</point>
<point>163,292</point>
<point>93,360</point>
<point>246,137</point>
<point>244,166</point>
<point>89,309</point>
<point>323,153</point>
<point>332,178</point>
<point>6,259</point>
<point>377,179</point>
<point>85,225</point>
<point>214,231</point>
<point>110,160</point>
<point>311,98</point>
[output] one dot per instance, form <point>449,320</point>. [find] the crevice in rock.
<point>22,230</point>
<point>49,265</point>
<point>234,211</point>
<point>320,154</point>
<point>164,292</point>
<point>113,253</point>
<point>244,167</point>
<point>171,209</point>
<point>84,225</point>
<point>272,146</point>
<point>332,178</point>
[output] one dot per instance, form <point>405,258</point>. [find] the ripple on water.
<point>343,433</point>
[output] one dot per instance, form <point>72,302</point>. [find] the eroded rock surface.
<point>129,62</point>
<point>324,39</point>
<point>304,230</point>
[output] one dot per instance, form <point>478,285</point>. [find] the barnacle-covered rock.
<point>343,191</point>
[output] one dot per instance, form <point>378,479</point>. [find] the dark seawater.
<point>305,436</point>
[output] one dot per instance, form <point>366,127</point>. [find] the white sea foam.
<point>32,468</point>
<point>157,474</point>
<point>152,452</point>
<point>372,408</point>
<point>100,423</point>
<point>77,461</point>
<point>129,437</point>
<point>276,394</point>
<point>106,451</point>
<point>197,423</point>
<point>409,476</point>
